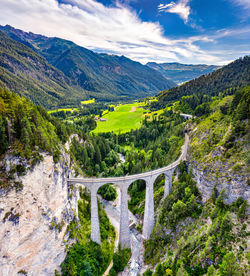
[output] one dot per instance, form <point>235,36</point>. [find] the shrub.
<point>23,272</point>
<point>242,212</point>
<point>229,265</point>
<point>211,271</point>
<point>236,168</point>
<point>120,260</point>
<point>148,272</point>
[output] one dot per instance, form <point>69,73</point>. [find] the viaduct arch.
<point>93,184</point>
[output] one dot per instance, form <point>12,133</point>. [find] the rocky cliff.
<point>33,220</point>
<point>215,168</point>
<point>235,185</point>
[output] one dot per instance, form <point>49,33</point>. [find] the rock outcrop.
<point>235,184</point>
<point>214,162</point>
<point>33,220</point>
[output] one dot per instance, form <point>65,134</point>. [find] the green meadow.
<point>91,101</point>
<point>62,109</point>
<point>122,119</point>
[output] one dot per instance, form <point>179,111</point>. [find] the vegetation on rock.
<point>26,130</point>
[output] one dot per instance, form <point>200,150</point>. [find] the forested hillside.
<point>202,226</point>
<point>233,75</point>
<point>26,131</point>
<point>104,76</point>
<point>219,145</point>
<point>25,126</point>
<point>180,73</point>
<point>30,75</point>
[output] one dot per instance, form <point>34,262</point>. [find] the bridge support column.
<point>148,221</point>
<point>124,237</point>
<point>168,183</point>
<point>95,228</point>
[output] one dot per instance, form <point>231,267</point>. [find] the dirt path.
<point>133,109</point>
<point>106,273</point>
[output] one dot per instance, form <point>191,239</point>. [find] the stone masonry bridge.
<point>93,184</point>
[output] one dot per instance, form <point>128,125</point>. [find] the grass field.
<point>88,101</point>
<point>72,109</point>
<point>62,109</point>
<point>122,120</point>
<point>154,113</point>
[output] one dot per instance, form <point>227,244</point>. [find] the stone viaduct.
<point>93,184</point>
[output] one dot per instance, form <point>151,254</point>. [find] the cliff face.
<point>33,221</point>
<point>235,185</point>
<point>215,167</point>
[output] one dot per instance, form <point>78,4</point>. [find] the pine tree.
<point>97,155</point>
<point>3,136</point>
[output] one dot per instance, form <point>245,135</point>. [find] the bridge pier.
<point>168,182</point>
<point>148,220</point>
<point>95,228</point>
<point>124,237</point>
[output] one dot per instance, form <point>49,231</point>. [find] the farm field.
<point>123,119</point>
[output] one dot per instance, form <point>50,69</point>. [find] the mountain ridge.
<point>180,73</point>
<point>235,74</point>
<point>101,75</point>
<point>30,75</point>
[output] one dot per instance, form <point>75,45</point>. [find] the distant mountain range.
<point>180,73</point>
<point>84,73</point>
<point>233,75</point>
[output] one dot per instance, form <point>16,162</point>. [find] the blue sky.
<point>186,31</point>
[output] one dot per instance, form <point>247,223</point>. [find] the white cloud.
<point>114,29</point>
<point>181,8</point>
<point>244,3</point>
<point>244,12</point>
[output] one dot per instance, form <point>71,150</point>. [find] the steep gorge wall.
<point>216,163</point>
<point>215,170</point>
<point>235,185</point>
<point>33,221</point>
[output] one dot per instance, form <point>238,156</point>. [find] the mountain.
<point>180,73</point>
<point>233,75</point>
<point>28,74</point>
<point>103,76</point>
